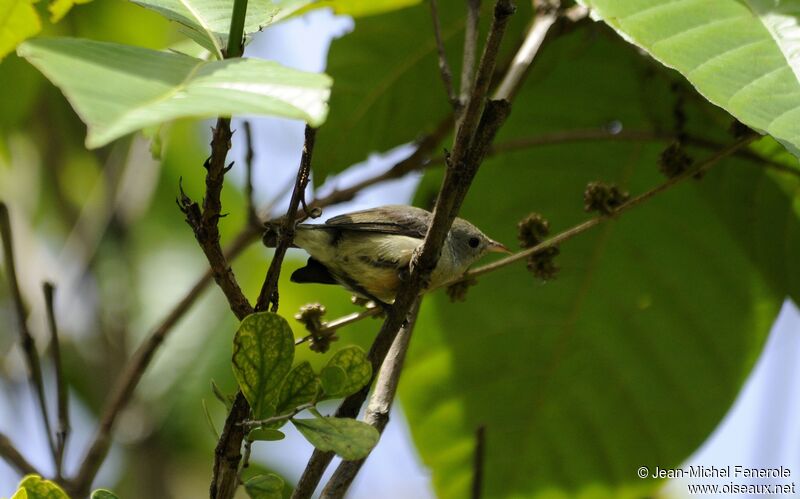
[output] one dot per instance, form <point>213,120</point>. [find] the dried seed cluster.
<point>603,198</point>
<point>531,231</point>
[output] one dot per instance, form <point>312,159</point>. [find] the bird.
<point>368,252</point>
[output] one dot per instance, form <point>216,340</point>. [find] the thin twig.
<point>380,404</point>
<point>26,339</point>
<point>12,456</point>
<point>523,59</point>
<point>329,328</point>
<point>255,423</point>
<point>62,432</point>
<point>470,49</point>
<point>250,206</point>
<point>592,222</point>
<point>444,66</point>
<point>473,136</point>
<point>478,462</point>
<point>133,371</point>
<point>269,290</point>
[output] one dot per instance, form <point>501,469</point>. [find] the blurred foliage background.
<point>631,356</point>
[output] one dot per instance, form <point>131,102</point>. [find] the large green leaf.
<point>740,54</point>
<point>208,21</point>
<point>633,354</point>
<point>117,89</point>
<point>401,96</point>
<point>263,351</point>
<point>18,21</point>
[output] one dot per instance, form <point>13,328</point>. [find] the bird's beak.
<point>496,247</point>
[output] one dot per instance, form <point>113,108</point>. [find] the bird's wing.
<point>396,220</point>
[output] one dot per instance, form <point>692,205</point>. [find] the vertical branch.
<point>250,206</point>
<point>380,404</point>
<point>269,290</point>
<point>444,66</point>
<point>477,463</point>
<point>470,49</point>
<point>26,339</point>
<point>62,431</point>
<point>544,20</point>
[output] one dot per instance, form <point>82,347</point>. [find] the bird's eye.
<point>474,242</point>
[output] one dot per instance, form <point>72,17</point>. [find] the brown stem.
<point>478,461</point>
<point>444,66</point>
<point>26,339</point>
<point>269,290</point>
<point>62,432</point>
<point>250,207</point>
<point>380,404</point>
<point>12,456</point>
<point>470,49</point>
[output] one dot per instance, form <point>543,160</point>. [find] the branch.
<point>544,20</point>
<point>227,456</point>
<point>250,207</point>
<point>269,290</point>
<point>380,404</point>
<point>255,423</point>
<point>470,49</point>
<point>328,328</point>
<point>26,339</point>
<point>444,67</point>
<point>12,456</point>
<point>478,462</point>
<point>592,222</point>
<point>467,154</point>
<point>133,371</point>
<point>62,433</point>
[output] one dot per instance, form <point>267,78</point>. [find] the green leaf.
<point>103,494</point>
<point>266,434</point>
<point>269,486</point>
<point>208,21</point>
<point>635,352</point>
<point>361,8</point>
<point>741,55</point>
<point>263,351</point>
<point>333,379</point>
<point>356,368</point>
<point>300,387</point>
<point>347,437</point>
<point>117,89</point>
<point>18,21</point>
<point>59,8</point>
<point>226,400</point>
<point>37,487</point>
<point>20,494</point>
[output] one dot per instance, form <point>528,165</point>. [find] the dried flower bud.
<point>603,198</point>
<point>458,291</point>
<point>532,230</point>
<point>542,263</point>
<point>674,161</point>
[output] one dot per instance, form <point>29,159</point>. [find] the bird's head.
<point>468,243</point>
